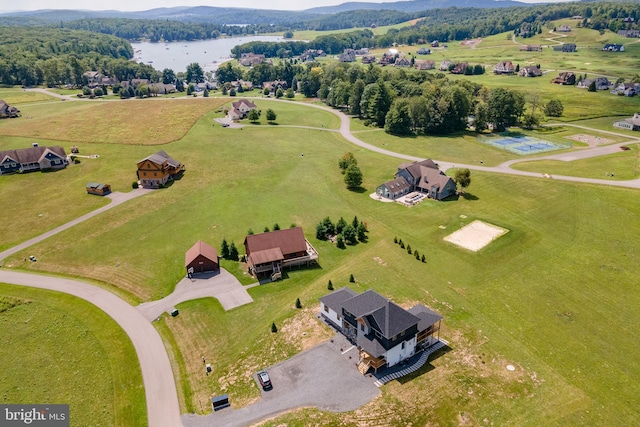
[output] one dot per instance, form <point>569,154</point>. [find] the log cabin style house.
<point>157,169</point>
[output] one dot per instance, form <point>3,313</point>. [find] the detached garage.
<point>202,258</point>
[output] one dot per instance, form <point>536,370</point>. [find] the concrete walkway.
<point>116,199</point>
<point>160,389</point>
<point>222,286</point>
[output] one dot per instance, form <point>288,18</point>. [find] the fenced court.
<point>521,144</point>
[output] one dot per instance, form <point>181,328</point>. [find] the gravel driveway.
<point>321,377</point>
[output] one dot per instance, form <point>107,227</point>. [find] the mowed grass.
<point>56,348</point>
<point>142,122</point>
<point>16,96</point>
<point>623,165</point>
<point>544,297</point>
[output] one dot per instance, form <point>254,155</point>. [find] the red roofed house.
<point>201,257</point>
<point>268,252</point>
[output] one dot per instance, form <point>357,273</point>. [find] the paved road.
<point>161,396</point>
<point>117,198</point>
<point>223,286</point>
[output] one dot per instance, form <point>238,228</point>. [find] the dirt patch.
<point>303,330</point>
<point>476,235</point>
<point>592,140</point>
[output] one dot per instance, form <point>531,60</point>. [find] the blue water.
<point>177,55</point>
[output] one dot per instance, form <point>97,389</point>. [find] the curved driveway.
<point>160,389</point>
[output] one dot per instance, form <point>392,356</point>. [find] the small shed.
<point>202,258</point>
<point>98,189</point>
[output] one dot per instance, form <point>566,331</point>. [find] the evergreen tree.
<point>423,258</point>
<point>349,234</point>
<point>298,304</point>
<point>276,227</point>
<point>340,225</point>
<point>409,249</point>
<point>271,115</point>
<point>361,232</point>
<point>330,286</point>
<point>352,279</point>
<point>274,328</point>
<point>340,242</point>
<point>233,252</point>
<point>355,222</point>
<point>224,251</point>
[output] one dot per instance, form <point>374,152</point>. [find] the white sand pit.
<point>476,235</point>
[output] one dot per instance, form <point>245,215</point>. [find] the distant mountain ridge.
<point>232,15</point>
<point>415,5</point>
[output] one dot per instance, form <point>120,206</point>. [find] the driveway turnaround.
<point>324,376</point>
<point>222,286</point>
<point>160,389</point>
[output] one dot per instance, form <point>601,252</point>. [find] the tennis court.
<point>521,144</point>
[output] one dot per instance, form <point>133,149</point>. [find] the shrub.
<point>134,184</point>
<point>298,304</point>
<point>330,286</point>
<point>274,328</point>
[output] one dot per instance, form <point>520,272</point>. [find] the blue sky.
<point>133,5</point>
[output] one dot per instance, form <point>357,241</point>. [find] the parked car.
<point>265,381</point>
<point>225,125</point>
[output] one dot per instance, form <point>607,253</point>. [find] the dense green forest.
<point>51,56</point>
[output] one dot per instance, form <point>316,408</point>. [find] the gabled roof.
<point>200,248</point>
<point>380,314</point>
<point>289,241</point>
<point>415,168</point>
<point>335,299</point>
<point>432,177</point>
<point>396,185</point>
<point>246,102</point>
<point>160,157</point>
<point>32,154</point>
<point>427,316</point>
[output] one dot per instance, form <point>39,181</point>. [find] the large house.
<point>504,67</point>
<point>632,123</point>
<point>7,111</point>
<point>157,169</point>
<point>602,83</point>
<point>385,333</point>
<point>530,71</point>
<point>241,109</point>
<point>32,159</point>
<point>613,47</point>
<point>424,177</point>
<point>565,78</point>
<point>565,47</point>
<point>424,64</point>
<point>530,48</point>
<point>267,253</point>
<point>249,59</point>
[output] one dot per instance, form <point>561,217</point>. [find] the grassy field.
<point>525,300</point>
<point>59,349</point>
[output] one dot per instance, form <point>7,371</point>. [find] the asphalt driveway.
<point>323,377</point>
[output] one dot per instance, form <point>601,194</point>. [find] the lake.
<point>177,55</point>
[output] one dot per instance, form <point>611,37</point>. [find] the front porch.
<point>368,361</point>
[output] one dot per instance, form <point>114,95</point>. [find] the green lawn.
<point>555,296</point>
<point>57,348</point>
<point>624,165</point>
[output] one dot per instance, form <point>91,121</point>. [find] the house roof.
<point>290,240</point>
<point>160,157</point>
<point>246,102</point>
<point>380,313</point>
<point>335,299</point>
<point>427,316</point>
<point>267,255</point>
<point>31,154</point>
<point>432,177</point>
<point>415,168</point>
<point>397,184</point>
<point>200,248</point>
<point>97,185</point>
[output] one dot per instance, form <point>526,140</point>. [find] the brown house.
<point>268,252</point>
<point>201,258</point>
<point>565,78</point>
<point>157,169</point>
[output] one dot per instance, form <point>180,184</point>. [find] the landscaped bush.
<point>134,184</point>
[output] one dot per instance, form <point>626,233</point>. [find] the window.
<point>327,310</point>
<point>361,327</point>
<point>403,342</point>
